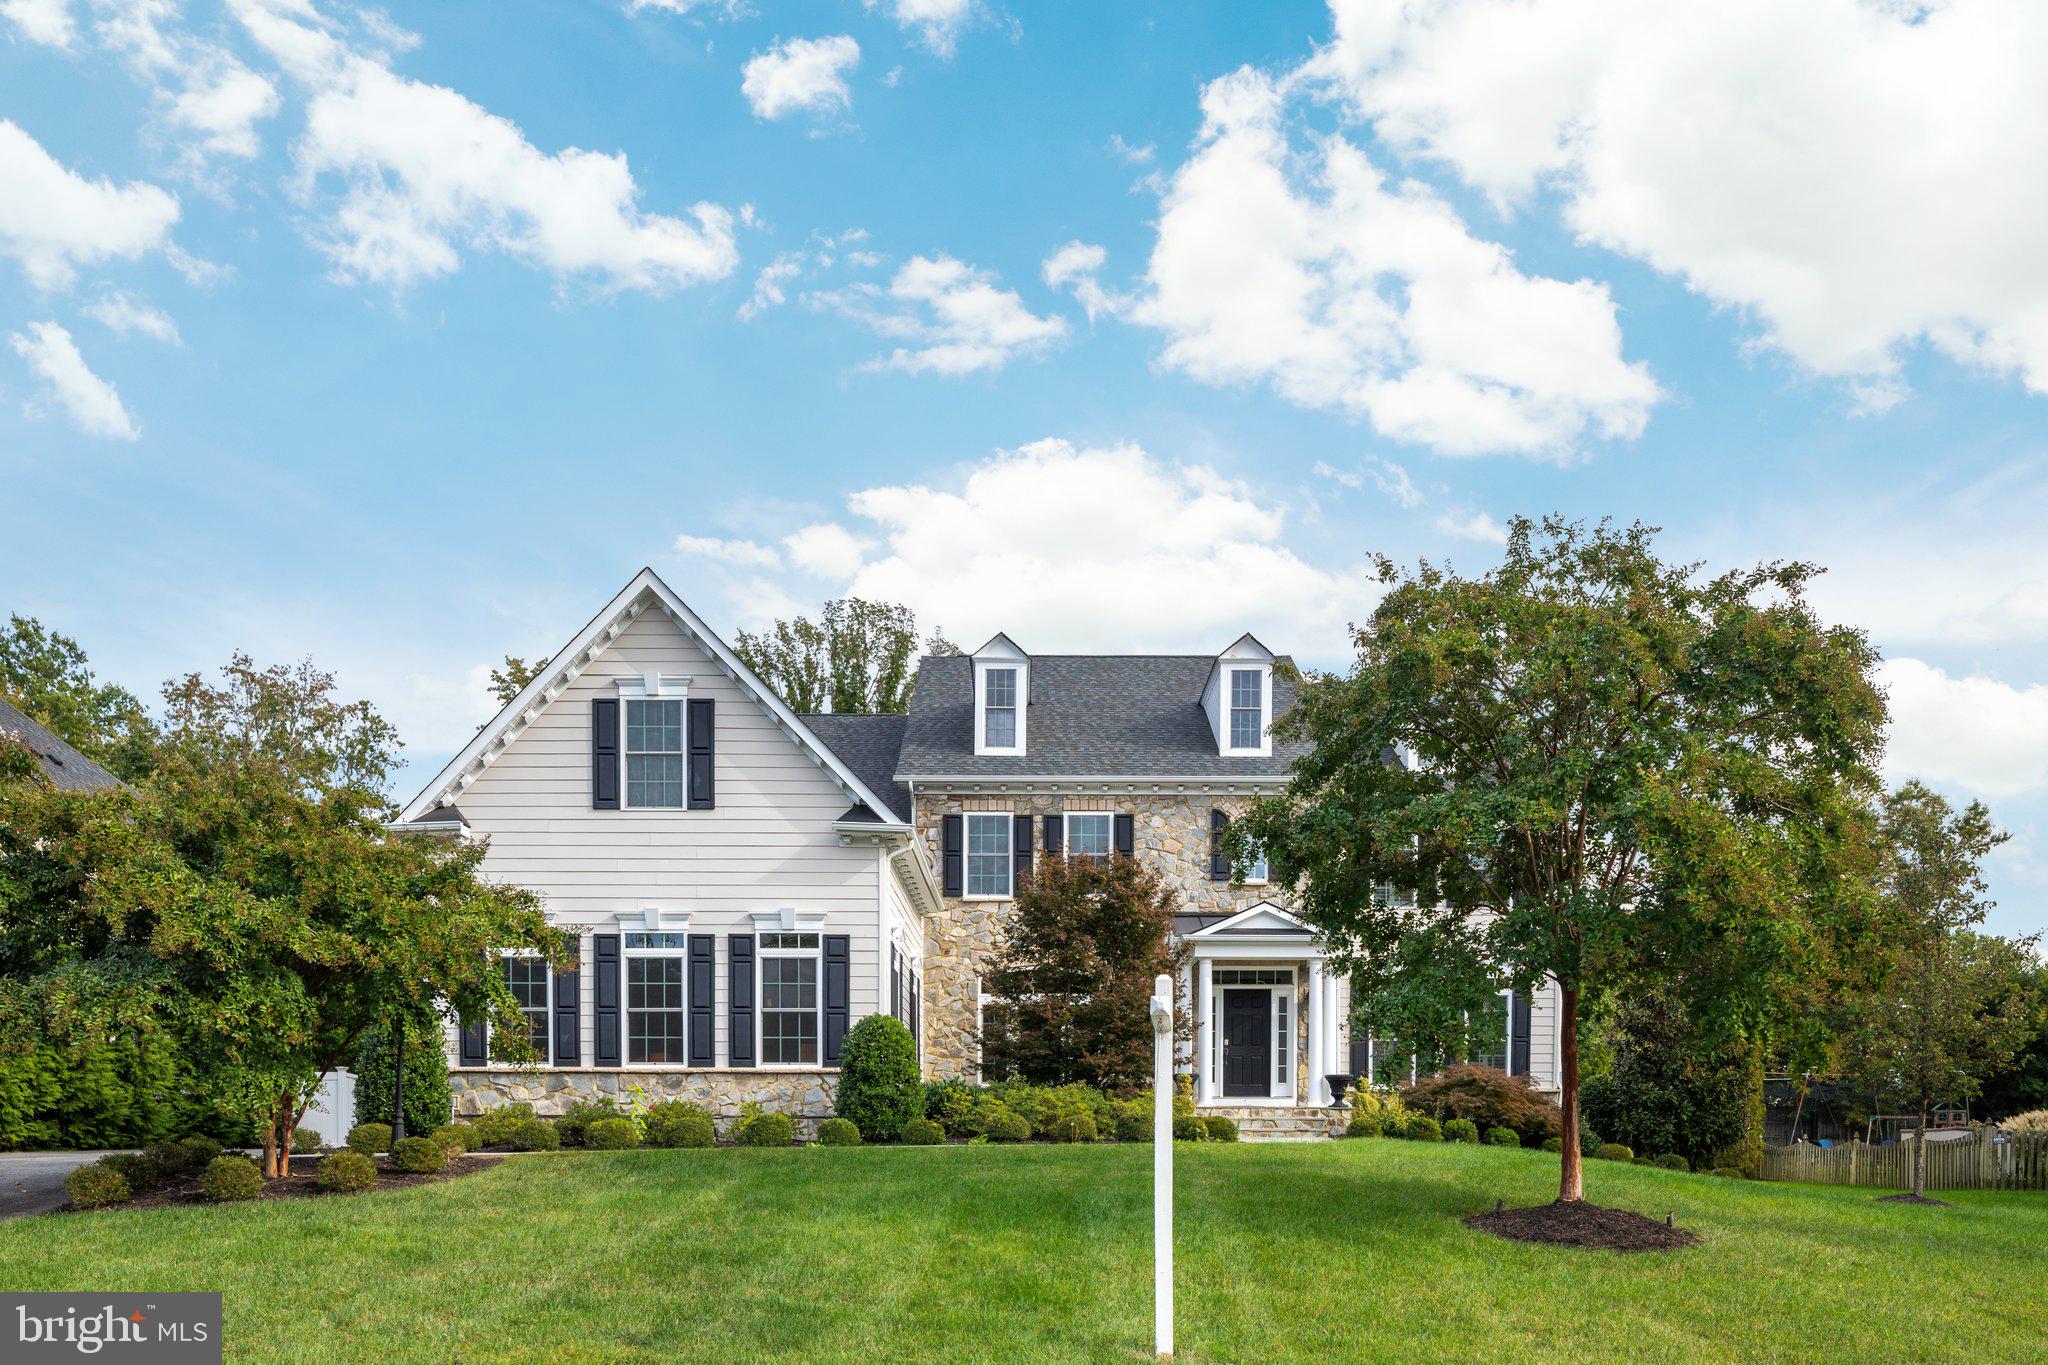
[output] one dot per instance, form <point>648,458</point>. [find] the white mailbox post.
<point>1162,1166</point>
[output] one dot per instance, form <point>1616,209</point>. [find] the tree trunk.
<point>1571,1183</point>
<point>1920,1158</point>
<point>270,1146</point>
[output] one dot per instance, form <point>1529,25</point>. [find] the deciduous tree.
<point>46,675</point>
<point>855,659</point>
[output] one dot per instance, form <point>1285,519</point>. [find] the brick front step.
<point>1257,1123</point>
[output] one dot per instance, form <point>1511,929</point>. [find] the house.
<point>745,883</point>
<point>65,767</point>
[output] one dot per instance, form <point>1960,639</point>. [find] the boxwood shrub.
<point>764,1130</point>
<point>494,1127</point>
<point>228,1178</point>
<point>665,1123</point>
<point>878,1086</point>
<point>1190,1129</point>
<point>575,1119</point>
<point>369,1138</point>
<point>839,1133</point>
<point>138,1170</point>
<point>1421,1128</point>
<point>1068,1128</point>
<point>1461,1130</point>
<point>1363,1126</point>
<point>1613,1151</point>
<point>1553,1144</point>
<point>922,1133</point>
<point>533,1135</point>
<point>197,1152</point>
<point>1671,1161</point>
<point>168,1158</point>
<point>1222,1128</point>
<point>609,1135</point>
<point>1133,1124</point>
<point>692,1130</point>
<point>96,1186</point>
<point>1008,1126</point>
<point>305,1142</point>
<point>456,1137</point>
<point>345,1172</point>
<point>421,1156</point>
<point>1503,1137</point>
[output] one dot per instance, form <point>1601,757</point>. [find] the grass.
<point>1332,1250</point>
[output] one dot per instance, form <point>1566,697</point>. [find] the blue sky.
<point>1115,327</point>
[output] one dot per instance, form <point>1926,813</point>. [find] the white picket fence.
<point>1986,1159</point>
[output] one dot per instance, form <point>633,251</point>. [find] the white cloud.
<point>41,21</point>
<point>1473,526</point>
<point>1077,264</point>
<point>954,317</point>
<point>1390,478</point>
<point>223,106</point>
<point>768,285</point>
<point>801,74</point>
<point>90,400</point>
<point>1307,271</point>
<point>736,554</point>
<point>202,88</point>
<point>125,315</point>
<point>1984,736</point>
<point>53,220</point>
<point>1129,154</point>
<point>826,549</point>
<point>1856,175</point>
<point>730,9</point>
<point>1101,548</point>
<point>937,23</point>
<point>424,171</point>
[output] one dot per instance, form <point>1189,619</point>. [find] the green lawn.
<point>1331,1250</point>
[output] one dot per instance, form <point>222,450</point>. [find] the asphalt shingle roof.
<point>67,769</point>
<point>868,745</point>
<point>1108,715</point>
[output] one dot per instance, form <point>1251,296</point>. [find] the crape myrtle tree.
<point>1070,988</point>
<point>1953,1004</point>
<point>1590,765</point>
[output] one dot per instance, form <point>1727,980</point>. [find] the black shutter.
<point>703,1001</point>
<point>568,1016</point>
<point>895,981</point>
<point>604,753</point>
<point>1361,1056</point>
<point>1053,835</point>
<point>838,986</point>
<point>1518,1051</point>
<point>949,853</point>
<point>474,1049</point>
<point>703,730</point>
<point>1126,835</point>
<point>604,1000</point>
<point>739,1017</point>
<point>1219,862</point>
<point>1020,852</point>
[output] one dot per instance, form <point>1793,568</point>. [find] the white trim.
<point>815,954</point>
<point>1246,915</point>
<point>1107,784</point>
<point>1067,818</point>
<point>646,591</point>
<point>1001,653</point>
<point>547,1052</point>
<point>1205,1032</point>
<point>788,920</point>
<point>1228,670</point>
<point>1209,1064</point>
<point>626,955</point>
<point>1009,822</point>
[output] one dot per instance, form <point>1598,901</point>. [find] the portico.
<point>1269,1014</point>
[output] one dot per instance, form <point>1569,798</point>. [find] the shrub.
<point>691,1130</point>
<point>1503,1137</point>
<point>427,1094</point>
<point>66,1086</point>
<point>420,1156</point>
<point>305,1142</point>
<point>942,1098</point>
<point>1008,1126</point>
<point>1461,1130</point>
<point>666,1122</point>
<point>1069,1128</point>
<point>764,1130</point>
<point>1381,1105</point>
<point>2033,1121</point>
<point>1222,1128</point>
<point>843,1132</point>
<point>921,1133</point>
<point>1613,1151</point>
<point>1488,1098</point>
<point>1364,1126</point>
<point>168,1158</point>
<point>1669,1089</point>
<point>1639,1161</point>
<point>878,1086</point>
<point>1553,1144</point>
<point>369,1138</point>
<point>1190,1129</point>
<point>1041,1105</point>
<point>96,1186</point>
<point>456,1137</point>
<point>1133,1124</point>
<point>1672,1161</point>
<point>576,1118</point>
<point>494,1127</point>
<point>228,1178</point>
<point>1728,1173</point>
<point>345,1172</point>
<point>1422,1128</point>
<point>139,1171</point>
<point>534,1135</point>
<point>610,1135</point>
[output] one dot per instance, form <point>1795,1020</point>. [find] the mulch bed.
<point>184,1188</point>
<point>1910,1198</point>
<point>1580,1224</point>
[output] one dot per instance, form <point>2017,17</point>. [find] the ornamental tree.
<point>1594,766</point>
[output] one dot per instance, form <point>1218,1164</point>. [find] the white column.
<point>1333,1017</point>
<point>1162,1166</point>
<point>1205,1042</point>
<point>1318,1093</point>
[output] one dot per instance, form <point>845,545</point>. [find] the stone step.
<point>1258,1123</point>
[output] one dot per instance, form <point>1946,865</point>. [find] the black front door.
<point>1247,1043</point>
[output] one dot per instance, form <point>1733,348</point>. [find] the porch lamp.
<point>1162,1167</point>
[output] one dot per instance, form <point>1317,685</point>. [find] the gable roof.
<point>1092,715</point>
<point>868,744</point>
<point>67,769</point>
<point>1262,917</point>
<point>646,592</point>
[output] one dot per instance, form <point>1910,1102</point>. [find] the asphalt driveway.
<point>33,1182</point>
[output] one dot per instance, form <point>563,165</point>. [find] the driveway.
<point>33,1182</point>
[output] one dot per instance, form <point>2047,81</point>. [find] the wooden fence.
<point>1987,1159</point>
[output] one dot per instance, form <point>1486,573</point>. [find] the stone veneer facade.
<point>1171,833</point>
<point>805,1096</point>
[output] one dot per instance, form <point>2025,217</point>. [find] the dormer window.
<point>1239,699</point>
<point>1247,708</point>
<point>999,709</point>
<point>1002,697</point>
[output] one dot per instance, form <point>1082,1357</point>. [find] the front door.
<point>1247,1043</point>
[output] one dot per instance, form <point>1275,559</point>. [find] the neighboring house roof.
<point>67,769</point>
<point>1108,715</point>
<point>868,744</point>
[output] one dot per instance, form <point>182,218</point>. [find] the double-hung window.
<point>1247,708</point>
<point>988,853</point>
<point>1493,1028</point>
<point>655,760</point>
<point>999,708</point>
<point>528,978</point>
<point>1089,834</point>
<point>789,999</point>
<point>1257,873</point>
<point>656,1019</point>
